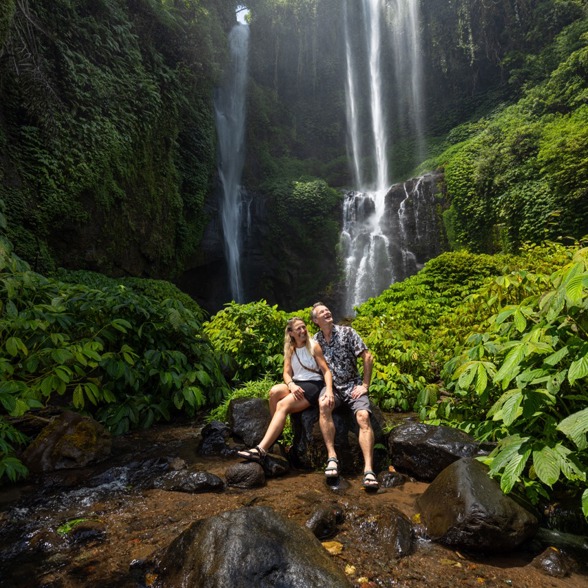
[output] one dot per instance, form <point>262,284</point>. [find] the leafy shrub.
<point>522,381</point>
<point>249,339</point>
<point>113,352</point>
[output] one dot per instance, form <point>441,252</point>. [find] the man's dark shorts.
<point>355,404</point>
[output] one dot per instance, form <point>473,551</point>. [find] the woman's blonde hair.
<point>289,338</point>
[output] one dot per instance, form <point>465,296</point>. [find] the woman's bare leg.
<point>276,394</point>
<point>284,407</point>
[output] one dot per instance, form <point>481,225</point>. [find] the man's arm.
<point>368,364</point>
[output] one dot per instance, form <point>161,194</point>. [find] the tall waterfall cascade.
<point>378,230</point>
<point>229,105</point>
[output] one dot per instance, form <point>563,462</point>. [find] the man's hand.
<point>359,391</point>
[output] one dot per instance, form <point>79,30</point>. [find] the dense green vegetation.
<point>521,174</point>
<point>107,157</point>
<point>107,130</point>
<point>129,353</point>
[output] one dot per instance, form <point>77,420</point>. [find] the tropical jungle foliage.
<point>107,160</point>
<point>128,355</point>
<point>494,345</point>
<point>107,130</point>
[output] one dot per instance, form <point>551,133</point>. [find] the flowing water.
<point>367,244</point>
<point>230,114</point>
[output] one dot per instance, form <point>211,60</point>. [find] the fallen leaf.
<point>333,547</point>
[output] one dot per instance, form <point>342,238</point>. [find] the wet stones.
<point>249,419</point>
<point>189,481</point>
<point>245,475</point>
<point>463,507</point>
<point>213,439</point>
<point>324,522</point>
<point>252,546</point>
<point>554,562</point>
<point>424,451</point>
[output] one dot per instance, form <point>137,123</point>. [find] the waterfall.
<point>229,105</point>
<point>368,246</point>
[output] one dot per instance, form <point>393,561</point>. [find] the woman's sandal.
<point>370,482</point>
<point>332,471</point>
<point>256,454</point>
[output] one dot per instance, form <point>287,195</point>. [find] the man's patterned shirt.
<point>341,354</point>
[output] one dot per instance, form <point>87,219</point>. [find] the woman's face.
<point>299,332</point>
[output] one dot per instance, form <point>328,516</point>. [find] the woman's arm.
<point>288,371</point>
<point>294,389</point>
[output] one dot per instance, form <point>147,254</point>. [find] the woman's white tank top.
<point>302,356</point>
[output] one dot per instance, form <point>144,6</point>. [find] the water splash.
<point>229,105</point>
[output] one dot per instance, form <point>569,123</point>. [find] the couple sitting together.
<point>322,371</point>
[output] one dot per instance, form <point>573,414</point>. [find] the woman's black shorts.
<point>312,390</point>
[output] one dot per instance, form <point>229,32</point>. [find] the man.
<point>342,346</point>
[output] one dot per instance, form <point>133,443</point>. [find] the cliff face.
<point>107,138</point>
<point>106,130</point>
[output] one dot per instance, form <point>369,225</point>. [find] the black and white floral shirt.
<point>341,354</point>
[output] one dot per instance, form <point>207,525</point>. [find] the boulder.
<point>308,448</point>
<point>247,547</point>
<point>249,419</point>
<point>386,532</point>
<point>463,507</point>
<point>68,441</point>
<point>423,451</point>
<point>324,521</point>
<point>275,465</point>
<point>245,475</point>
<point>213,439</point>
<point>189,481</point>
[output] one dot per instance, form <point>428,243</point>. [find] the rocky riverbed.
<point>102,525</point>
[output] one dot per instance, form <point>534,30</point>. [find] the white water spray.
<point>230,111</point>
<point>366,242</point>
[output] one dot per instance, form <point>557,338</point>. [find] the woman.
<point>305,374</point>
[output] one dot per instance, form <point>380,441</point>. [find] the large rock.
<point>245,475</point>
<point>68,441</point>
<point>191,481</point>
<point>308,449</point>
<point>249,419</point>
<point>213,439</point>
<point>423,451</point>
<point>464,507</point>
<point>245,548</point>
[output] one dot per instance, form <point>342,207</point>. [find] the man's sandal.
<point>256,454</point>
<point>370,482</point>
<point>332,471</point>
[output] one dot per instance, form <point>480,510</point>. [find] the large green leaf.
<point>546,463</point>
<point>578,369</point>
<point>512,409</point>
<point>511,366</point>
<point>507,448</point>
<point>575,288</point>
<point>570,467</point>
<point>575,427</point>
<point>556,357</point>
<point>514,469</point>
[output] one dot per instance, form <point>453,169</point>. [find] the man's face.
<point>322,316</point>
